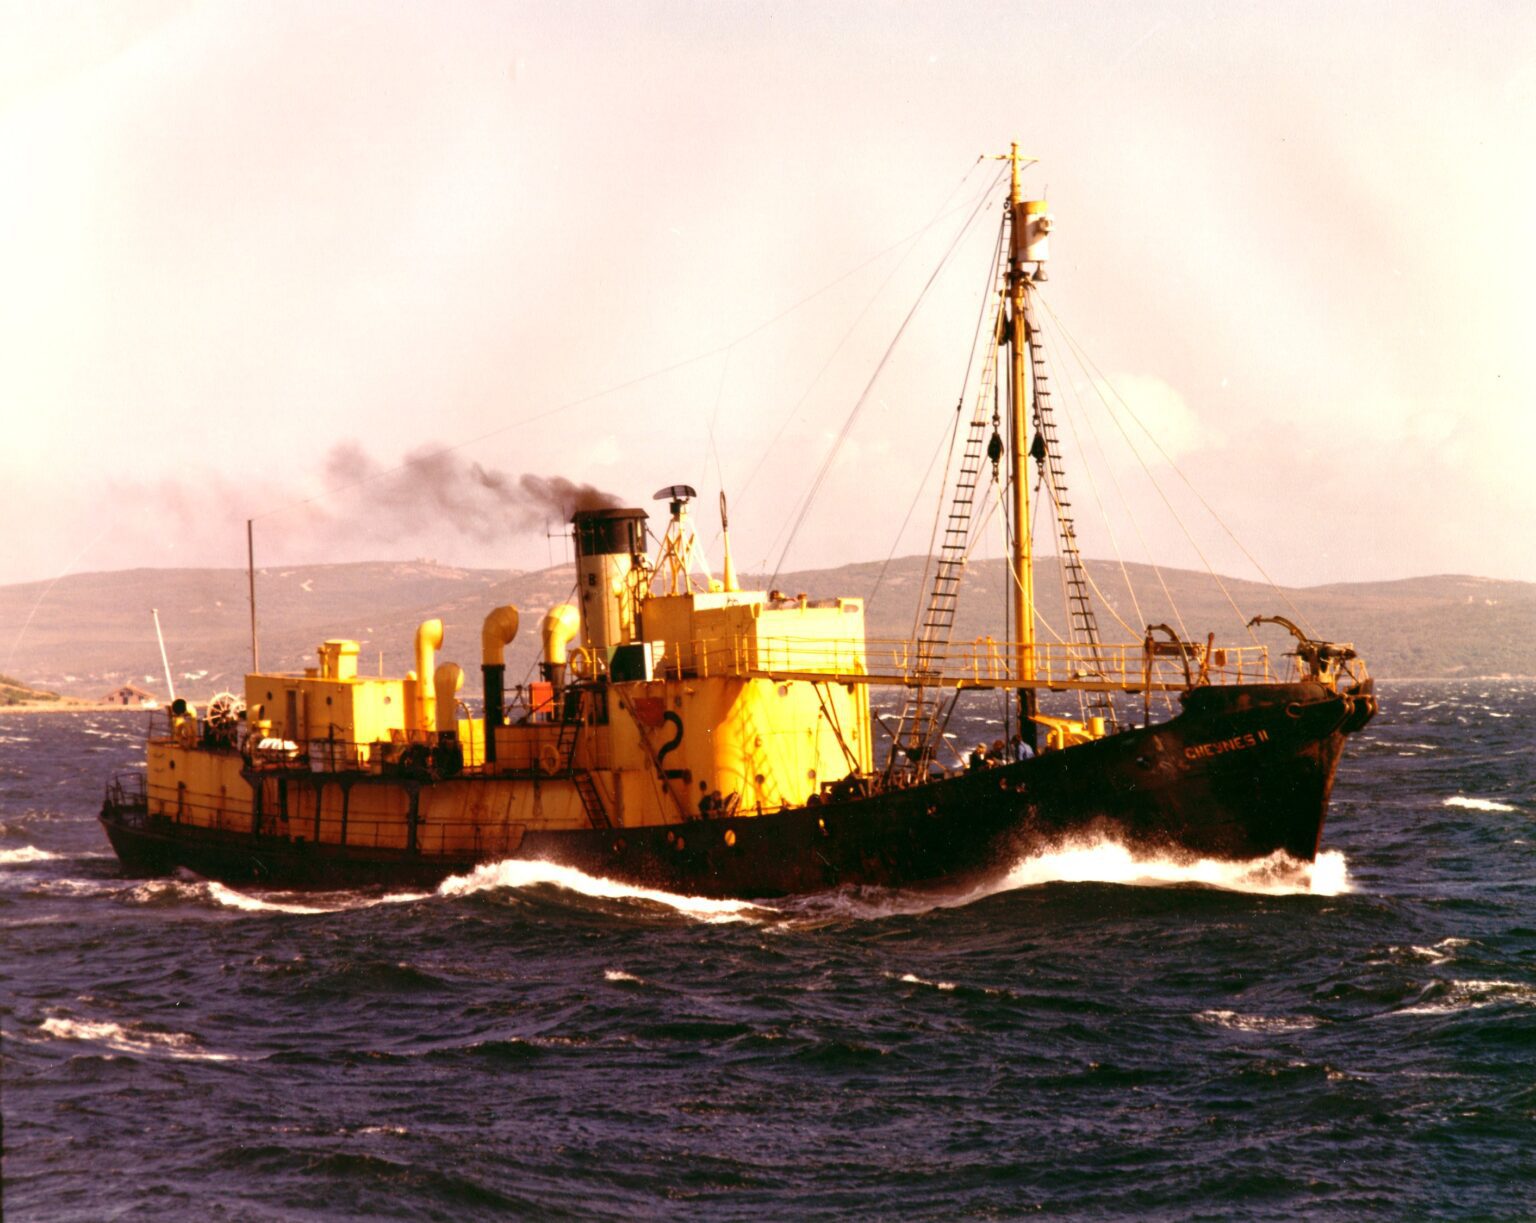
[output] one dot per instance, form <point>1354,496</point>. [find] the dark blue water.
<point>1090,1037</point>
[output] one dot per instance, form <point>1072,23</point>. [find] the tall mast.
<point>1018,450</point>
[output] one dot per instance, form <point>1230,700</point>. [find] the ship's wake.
<point>1094,860</point>
<point>1097,860</point>
<point>1089,861</point>
<point>1103,860</point>
<point>517,873</point>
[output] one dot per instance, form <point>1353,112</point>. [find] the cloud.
<point>1149,411</point>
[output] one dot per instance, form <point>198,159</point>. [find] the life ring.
<point>580,662</point>
<point>549,759</point>
<point>186,732</point>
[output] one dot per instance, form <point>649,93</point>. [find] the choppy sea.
<point>1088,1036</point>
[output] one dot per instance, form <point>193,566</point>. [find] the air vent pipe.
<point>429,639</point>
<point>561,624</point>
<point>495,636</point>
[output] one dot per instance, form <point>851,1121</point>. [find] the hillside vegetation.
<point>14,692</point>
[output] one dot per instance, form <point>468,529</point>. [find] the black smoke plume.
<point>437,490</point>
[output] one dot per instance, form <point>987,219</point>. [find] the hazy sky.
<point>250,249</point>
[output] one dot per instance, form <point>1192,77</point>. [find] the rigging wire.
<point>713,451</point>
<point>1098,383</point>
<point>912,506</point>
<point>992,300</point>
<point>1014,575</point>
<point>662,371</point>
<point>1048,341</point>
<point>826,466</point>
<point>1066,598</point>
<point>1125,501</point>
<point>848,335</point>
<point>1157,570</point>
<point>1206,505</point>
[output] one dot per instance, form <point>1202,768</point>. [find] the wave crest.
<point>515,873</point>
<point>132,1040</point>
<point>1104,860</point>
<point>1477,804</point>
<point>27,853</point>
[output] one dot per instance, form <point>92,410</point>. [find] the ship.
<point>685,734</point>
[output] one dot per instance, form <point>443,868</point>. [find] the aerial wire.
<point>810,496</point>
<point>1099,382</point>
<point>991,299</point>
<point>1209,509</point>
<point>832,356</point>
<point>628,383</point>
<point>1048,341</point>
<point>47,590</point>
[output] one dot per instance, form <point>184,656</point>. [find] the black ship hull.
<point>1241,773</point>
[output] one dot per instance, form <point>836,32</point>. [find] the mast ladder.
<point>949,569</point>
<point>919,717</point>
<point>1082,624</point>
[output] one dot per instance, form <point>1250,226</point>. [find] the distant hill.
<point>88,633</point>
<point>14,692</point>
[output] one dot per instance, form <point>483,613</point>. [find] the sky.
<point>255,257</point>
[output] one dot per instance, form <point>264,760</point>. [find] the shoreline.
<point>80,705</point>
<point>77,706</point>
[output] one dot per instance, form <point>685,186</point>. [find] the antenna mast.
<point>250,574</point>
<point>164,661</point>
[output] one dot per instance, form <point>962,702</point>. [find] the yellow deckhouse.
<point>659,701</point>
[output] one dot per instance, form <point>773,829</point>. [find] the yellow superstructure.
<point>651,708</point>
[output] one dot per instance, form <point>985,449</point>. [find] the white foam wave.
<point>1098,860</point>
<point>193,889</point>
<point>228,897</point>
<point>1257,1023</point>
<point>1439,953</point>
<point>27,853</point>
<point>909,978</point>
<point>124,1040</point>
<point>1476,804</point>
<point>1108,861</point>
<point>617,974</point>
<point>75,887</point>
<point>1472,996</point>
<point>326,902</point>
<point>524,872</point>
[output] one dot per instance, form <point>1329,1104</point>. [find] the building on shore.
<point>130,695</point>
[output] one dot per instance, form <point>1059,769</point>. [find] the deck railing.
<point>547,748</point>
<point>981,663</point>
<point>233,815</point>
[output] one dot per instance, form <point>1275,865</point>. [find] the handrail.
<point>985,662</point>
<point>470,837</point>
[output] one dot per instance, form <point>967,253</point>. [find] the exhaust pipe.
<point>495,636</point>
